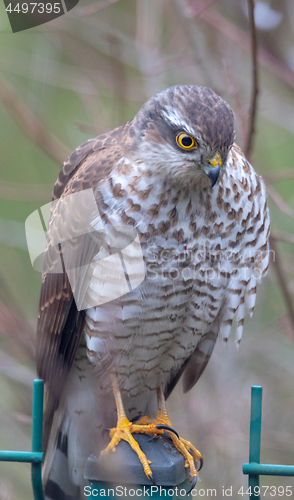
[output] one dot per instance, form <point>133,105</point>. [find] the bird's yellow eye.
<point>185,141</point>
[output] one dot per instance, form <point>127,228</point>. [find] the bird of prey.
<point>175,176</point>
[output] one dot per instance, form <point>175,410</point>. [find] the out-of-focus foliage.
<point>89,71</point>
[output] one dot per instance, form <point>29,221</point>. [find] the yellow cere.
<point>216,160</point>
<point>186,141</point>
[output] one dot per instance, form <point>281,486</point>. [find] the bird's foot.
<point>124,431</point>
<point>145,425</point>
<point>190,454</point>
<point>162,423</point>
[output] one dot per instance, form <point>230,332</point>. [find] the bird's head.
<point>184,135</point>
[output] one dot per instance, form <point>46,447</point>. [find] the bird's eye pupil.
<point>187,141</point>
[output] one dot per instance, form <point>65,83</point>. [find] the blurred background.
<point>89,71</point>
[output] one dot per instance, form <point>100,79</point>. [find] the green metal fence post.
<point>254,468</point>
<point>255,435</point>
<point>37,429</point>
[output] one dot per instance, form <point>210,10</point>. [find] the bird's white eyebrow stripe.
<point>173,116</point>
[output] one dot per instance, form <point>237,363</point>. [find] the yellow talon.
<point>145,425</point>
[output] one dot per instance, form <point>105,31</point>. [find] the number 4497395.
<point>32,7</point>
<point>272,491</point>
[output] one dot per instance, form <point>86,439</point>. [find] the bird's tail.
<point>56,477</point>
<point>72,429</point>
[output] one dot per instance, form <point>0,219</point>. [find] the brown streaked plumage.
<point>204,249</point>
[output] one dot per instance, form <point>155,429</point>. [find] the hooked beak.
<point>213,171</point>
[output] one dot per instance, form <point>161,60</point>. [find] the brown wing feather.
<point>193,367</point>
<point>77,159</point>
<point>60,324</point>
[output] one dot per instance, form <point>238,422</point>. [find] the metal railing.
<point>254,468</point>
<point>35,457</point>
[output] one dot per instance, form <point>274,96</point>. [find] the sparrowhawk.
<point>173,174</point>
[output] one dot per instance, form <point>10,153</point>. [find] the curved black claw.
<point>194,481</point>
<point>201,464</point>
<point>151,479</point>
<point>167,428</point>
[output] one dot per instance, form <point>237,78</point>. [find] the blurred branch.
<point>242,39</point>
<point>286,237</point>
<point>182,12</point>
<point>16,371</point>
<point>21,417</point>
<point>196,8</point>
<point>199,7</point>
<point>283,282</point>
<point>254,91</point>
<point>14,325</point>
<point>234,91</point>
<point>90,129</point>
<point>98,69</point>
<point>119,84</point>
<point>61,75</point>
<point>281,175</point>
<point>25,192</point>
<point>94,7</point>
<point>32,126</point>
<point>279,201</point>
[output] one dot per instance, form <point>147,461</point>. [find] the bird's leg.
<point>162,421</point>
<point>189,451</point>
<point>145,425</point>
<point>125,428</point>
